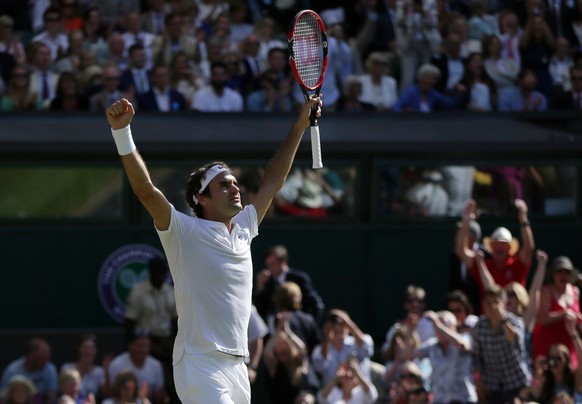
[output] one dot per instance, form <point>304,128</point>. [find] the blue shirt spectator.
<point>523,97</point>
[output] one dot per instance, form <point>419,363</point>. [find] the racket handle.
<point>316,147</point>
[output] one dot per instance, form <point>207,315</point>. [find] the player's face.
<point>224,195</point>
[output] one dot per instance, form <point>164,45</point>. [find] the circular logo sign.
<point>122,269</point>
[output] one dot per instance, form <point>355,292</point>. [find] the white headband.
<point>209,176</point>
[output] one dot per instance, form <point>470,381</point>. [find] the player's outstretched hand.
<point>120,114</point>
<point>306,110</point>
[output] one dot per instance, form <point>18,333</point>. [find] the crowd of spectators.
<point>231,56</point>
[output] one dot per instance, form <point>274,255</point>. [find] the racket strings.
<point>307,50</point>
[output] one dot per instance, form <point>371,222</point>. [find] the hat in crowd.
<point>16,381</point>
<point>6,20</point>
<point>310,194</point>
<point>562,263</point>
<point>502,235</point>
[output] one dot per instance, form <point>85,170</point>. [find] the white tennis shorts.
<point>213,377</point>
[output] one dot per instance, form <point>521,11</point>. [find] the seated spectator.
<point>115,52</point>
<point>20,390</point>
<point>423,97</point>
<point>127,390</point>
<point>450,64</point>
<point>53,36</point>
<point>502,70</point>
<point>509,35</point>
<point>555,373</point>
<point>523,97</point>
<point>185,77</point>
<point>378,88</point>
<point>217,97</point>
<point>349,385</point>
<point>92,375</point>
<point>9,42</point>
<point>43,81</point>
<point>173,40</point>
<point>450,358</point>
<point>559,301</point>
<point>71,60</point>
<point>69,96</point>
<point>410,383</point>
<point>286,361</point>
<point>136,77</point>
<point>342,339</point>
<point>110,92</point>
<point>273,95</point>
<point>72,21</point>
<point>161,97</point>
<point>478,92</point>
<point>536,47</point>
<point>559,67</point>
<point>146,368</point>
<point>18,96</point>
<point>94,32</point>
<point>136,36</point>
<point>36,367</point>
<point>571,100</point>
<point>69,386</point>
<point>350,100</point>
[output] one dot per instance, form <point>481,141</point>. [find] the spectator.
<point>43,81</point>
<point>136,77</point>
<point>113,13</point>
<point>71,60</point>
<point>217,97</point>
<point>524,97</point>
<point>240,28</point>
<point>69,96</point>
<point>458,180</point>
<point>18,96</point>
<point>555,372</point>
<point>559,67</point>
<point>450,64</point>
<point>350,100</point>
<point>273,95</point>
<point>9,42</point>
<point>72,21</point>
<point>125,390</point>
<point>572,99</point>
<point>94,32</point>
<point>423,97</point>
<point>151,306</point>
<point>509,35</point>
<point>136,36</point>
<point>507,262</point>
<point>342,340</point>
<point>427,197</point>
<point>341,55</point>
<point>276,272</point>
<point>161,97</point>
<point>450,357</point>
<point>145,367</point>
<point>266,30</point>
<point>233,63</point>
<point>53,36</point>
<point>110,93</point>
<point>153,19</point>
<point>36,367</point>
<point>536,46</point>
<point>286,361</point>
<point>350,385</point>
<point>410,383</point>
<point>92,375</point>
<point>184,77</point>
<point>378,88</point>
<point>559,301</point>
<point>20,390</point>
<point>457,303</point>
<point>115,52</point>
<point>502,70</point>
<point>69,386</point>
<point>172,41</point>
<point>254,65</point>
<point>499,353</point>
<point>478,91</point>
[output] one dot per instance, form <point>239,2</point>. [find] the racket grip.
<point>316,148</point>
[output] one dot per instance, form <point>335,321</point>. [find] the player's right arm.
<point>119,116</point>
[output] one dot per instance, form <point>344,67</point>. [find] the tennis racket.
<point>308,59</point>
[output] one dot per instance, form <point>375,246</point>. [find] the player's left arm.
<point>280,164</point>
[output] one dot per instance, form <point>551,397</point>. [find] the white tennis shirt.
<point>213,276</point>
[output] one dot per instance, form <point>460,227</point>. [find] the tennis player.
<point>210,259</point>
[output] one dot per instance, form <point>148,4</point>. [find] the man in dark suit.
<point>136,77</point>
<point>571,100</point>
<point>277,272</point>
<point>161,97</point>
<point>450,64</point>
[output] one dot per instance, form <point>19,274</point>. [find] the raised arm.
<point>462,248</point>
<point>527,237</point>
<point>119,116</point>
<point>530,313</point>
<point>452,336</point>
<point>573,332</point>
<point>484,274</point>
<point>279,166</point>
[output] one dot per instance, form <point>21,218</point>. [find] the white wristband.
<point>123,140</point>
